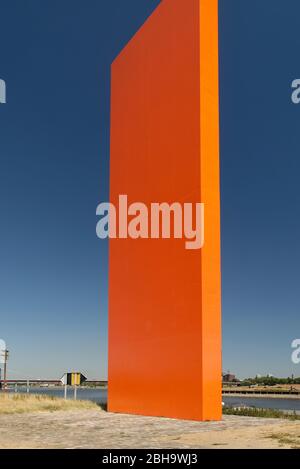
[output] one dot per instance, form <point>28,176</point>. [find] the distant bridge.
<point>31,381</point>
<point>53,382</point>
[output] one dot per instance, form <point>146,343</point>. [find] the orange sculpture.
<point>164,300</point>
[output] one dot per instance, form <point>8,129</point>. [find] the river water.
<point>100,396</point>
<point>263,403</point>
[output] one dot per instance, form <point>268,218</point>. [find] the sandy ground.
<point>99,429</point>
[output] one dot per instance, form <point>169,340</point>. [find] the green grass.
<point>264,413</point>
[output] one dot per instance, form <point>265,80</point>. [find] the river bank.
<point>262,396</point>
<point>99,396</point>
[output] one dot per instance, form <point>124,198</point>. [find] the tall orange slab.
<point>164,300</point>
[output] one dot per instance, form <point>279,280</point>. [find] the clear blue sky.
<point>54,169</point>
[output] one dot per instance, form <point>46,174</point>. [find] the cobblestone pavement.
<point>99,429</point>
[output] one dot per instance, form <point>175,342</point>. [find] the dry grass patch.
<point>21,403</point>
<point>286,439</point>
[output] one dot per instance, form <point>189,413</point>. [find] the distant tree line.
<point>269,381</point>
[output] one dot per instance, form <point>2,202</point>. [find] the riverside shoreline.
<point>261,396</point>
